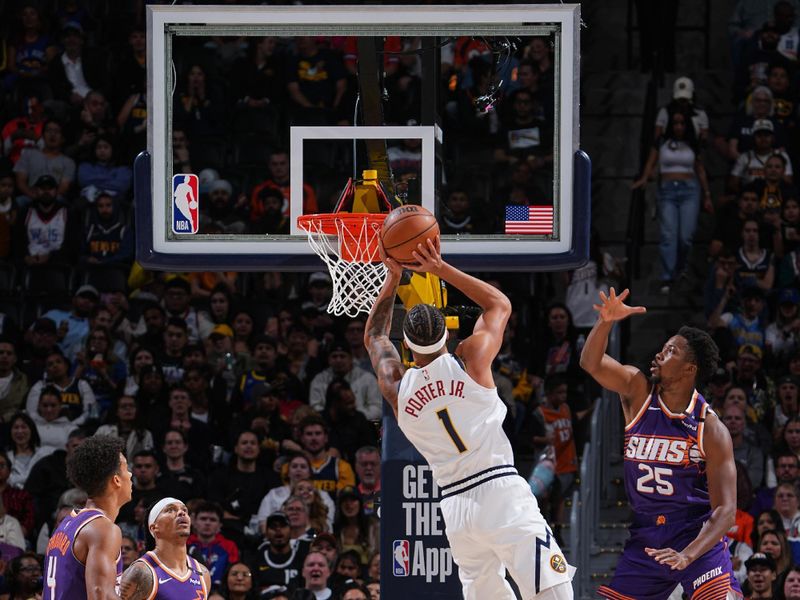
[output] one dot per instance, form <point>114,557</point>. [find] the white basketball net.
<point>358,278</point>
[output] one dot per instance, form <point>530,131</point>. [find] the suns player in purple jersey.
<point>83,559</point>
<point>167,572</point>
<point>680,474</point>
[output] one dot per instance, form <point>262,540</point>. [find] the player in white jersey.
<point>448,407</point>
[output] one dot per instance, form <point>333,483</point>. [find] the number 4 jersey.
<point>455,423</point>
<point>665,467</point>
<point>65,575</point>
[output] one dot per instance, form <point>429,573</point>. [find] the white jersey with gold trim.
<point>454,422</point>
<point>492,519</point>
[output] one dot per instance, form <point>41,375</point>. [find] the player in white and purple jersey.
<point>167,572</point>
<point>680,474</point>
<point>83,558</point>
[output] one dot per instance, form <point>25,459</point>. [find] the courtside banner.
<point>415,557</point>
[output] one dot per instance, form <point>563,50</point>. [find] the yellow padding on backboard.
<point>423,288</point>
<point>365,198</point>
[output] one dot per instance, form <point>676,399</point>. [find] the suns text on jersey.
<point>652,448</point>
<point>429,392</point>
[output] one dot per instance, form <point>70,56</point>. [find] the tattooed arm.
<point>385,359</point>
<point>206,575</point>
<point>137,582</point>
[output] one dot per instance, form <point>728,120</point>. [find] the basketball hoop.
<point>353,258</point>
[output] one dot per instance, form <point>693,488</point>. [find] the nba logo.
<point>400,558</point>
<point>185,203</point>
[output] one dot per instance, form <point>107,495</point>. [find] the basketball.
<point>404,228</point>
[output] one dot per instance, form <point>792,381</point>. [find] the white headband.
<point>426,349</point>
<point>160,505</point>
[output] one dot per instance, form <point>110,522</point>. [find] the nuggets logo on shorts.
<point>400,566</point>
<point>558,564</point>
<point>185,203</point>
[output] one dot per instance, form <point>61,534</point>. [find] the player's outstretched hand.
<point>667,556</point>
<point>428,256</point>
<point>613,307</point>
<point>395,268</point>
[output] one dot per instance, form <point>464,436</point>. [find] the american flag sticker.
<point>529,220</point>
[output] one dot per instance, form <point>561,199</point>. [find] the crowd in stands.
<point>238,393</point>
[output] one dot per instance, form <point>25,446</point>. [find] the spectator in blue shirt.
<point>73,325</point>
<point>102,174</point>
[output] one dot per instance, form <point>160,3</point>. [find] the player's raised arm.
<point>479,349</point>
<point>103,540</point>
<point>628,381</point>
<point>382,353</point>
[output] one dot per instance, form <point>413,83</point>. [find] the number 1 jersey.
<point>665,467</point>
<point>454,422</point>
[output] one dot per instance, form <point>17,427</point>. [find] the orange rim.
<point>326,222</point>
<point>353,247</point>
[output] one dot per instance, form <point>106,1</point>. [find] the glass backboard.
<point>259,114</point>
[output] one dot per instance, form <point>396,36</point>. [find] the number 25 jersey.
<point>454,422</point>
<point>665,466</point>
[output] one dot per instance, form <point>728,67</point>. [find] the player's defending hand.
<point>667,556</point>
<point>613,307</point>
<point>428,257</point>
<point>394,267</point>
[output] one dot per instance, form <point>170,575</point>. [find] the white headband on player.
<point>160,505</point>
<point>436,346</point>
